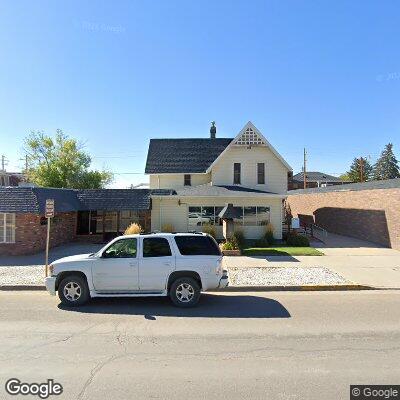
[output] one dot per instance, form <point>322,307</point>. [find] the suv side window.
<point>197,246</point>
<point>156,247</point>
<point>124,248</point>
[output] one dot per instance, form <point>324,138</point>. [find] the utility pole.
<point>361,169</point>
<point>304,169</point>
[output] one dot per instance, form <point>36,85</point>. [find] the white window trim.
<point>4,235</point>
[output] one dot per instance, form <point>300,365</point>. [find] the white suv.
<point>180,265</point>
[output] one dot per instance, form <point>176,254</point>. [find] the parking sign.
<point>49,208</point>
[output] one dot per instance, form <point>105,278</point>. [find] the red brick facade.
<point>30,235</point>
<point>372,215</point>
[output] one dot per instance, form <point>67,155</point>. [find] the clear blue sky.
<point>324,75</point>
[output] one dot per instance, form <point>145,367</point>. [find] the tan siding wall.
<point>176,215</point>
<point>174,181</point>
<point>275,171</point>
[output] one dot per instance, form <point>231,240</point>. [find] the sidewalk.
<point>356,261</point>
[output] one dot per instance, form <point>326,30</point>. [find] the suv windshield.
<point>197,246</point>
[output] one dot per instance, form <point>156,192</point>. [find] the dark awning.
<point>230,212</point>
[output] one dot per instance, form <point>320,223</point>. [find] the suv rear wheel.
<point>185,292</point>
<point>73,291</point>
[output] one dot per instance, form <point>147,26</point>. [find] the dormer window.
<point>187,180</point>
<point>236,173</point>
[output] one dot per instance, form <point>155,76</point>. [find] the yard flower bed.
<point>281,251</point>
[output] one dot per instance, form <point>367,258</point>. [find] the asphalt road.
<point>233,346</point>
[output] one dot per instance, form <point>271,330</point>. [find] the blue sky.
<point>324,75</point>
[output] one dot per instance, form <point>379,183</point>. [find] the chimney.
<point>213,130</point>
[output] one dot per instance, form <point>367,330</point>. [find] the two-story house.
<point>206,174</point>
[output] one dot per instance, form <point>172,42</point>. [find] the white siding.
<point>275,171</point>
<point>176,215</point>
<point>174,181</point>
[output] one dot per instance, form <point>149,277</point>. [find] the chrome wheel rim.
<point>72,291</point>
<point>185,292</point>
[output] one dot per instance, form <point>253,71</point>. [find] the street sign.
<point>49,213</point>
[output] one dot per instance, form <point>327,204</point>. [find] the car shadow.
<point>210,306</point>
<point>275,258</point>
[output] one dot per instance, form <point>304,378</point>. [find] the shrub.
<point>133,229</point>
<point>262,243</point>
<point>210,229</point>
<point>228,245</point>
<point>295,240</point>
<point>269,234</point>
<point>168,228</point>
<point>238,238</point>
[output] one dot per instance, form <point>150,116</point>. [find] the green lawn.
<point>281,251</point>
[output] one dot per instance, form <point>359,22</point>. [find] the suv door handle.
<point>168,264</point>
<point>132,264</point>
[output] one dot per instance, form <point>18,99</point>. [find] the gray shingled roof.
<point>115,199</point>
<point>33,200</point>
<point>314,176</point>
<point>212,190</point>
<point>16,199</point>
<point>183,155</point>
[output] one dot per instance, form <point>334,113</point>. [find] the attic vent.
<point>249,138</point>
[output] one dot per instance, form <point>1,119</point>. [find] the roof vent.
<point>213,130</point>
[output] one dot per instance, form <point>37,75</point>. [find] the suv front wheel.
<point>73,291</point>
<point>185,292</point>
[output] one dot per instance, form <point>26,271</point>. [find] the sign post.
<point>49,214</point>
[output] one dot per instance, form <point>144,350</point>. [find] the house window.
<point>236,173</point>
<point>249,216</point>
<point>187,181</point>
<point>7,228</point>
<point>261,173</point>
<point>198,216</point>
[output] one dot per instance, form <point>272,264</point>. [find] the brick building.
<point>368,211</point>
<point>88,215</point>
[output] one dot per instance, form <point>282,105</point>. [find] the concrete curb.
<point>303,288</point>
<point>22,287</point>
<point>299,288</point>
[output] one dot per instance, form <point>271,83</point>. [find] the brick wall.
<point>30,235</point>
<point>372,215</point>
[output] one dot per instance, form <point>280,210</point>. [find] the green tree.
<point>387,166</point>
<point>345,177</point>
<point>360,170</point>
<point>61,162</point>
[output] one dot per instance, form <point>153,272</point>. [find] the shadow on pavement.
<point>276,257</point>
<point>210,306</point>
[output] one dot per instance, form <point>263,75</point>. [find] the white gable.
<point>251,136</point>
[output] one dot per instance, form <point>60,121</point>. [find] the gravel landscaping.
<point>265,276</point>
<point>21,275</point>
<point>286,276</point>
